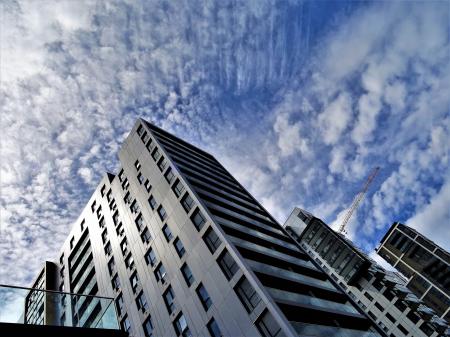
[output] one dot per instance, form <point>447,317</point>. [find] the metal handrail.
<point>53,291</point>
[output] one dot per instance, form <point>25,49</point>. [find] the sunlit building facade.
<point>185,250</point>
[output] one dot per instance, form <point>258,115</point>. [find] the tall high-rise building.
<point>39,308</point>
<point>185,250</point>
<point>422,262</point>
<point>380,293</point>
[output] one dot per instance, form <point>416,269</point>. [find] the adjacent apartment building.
<point>39,307</point>
<point>185,250</point>
<point>382,294</point>
<point>425,265</point>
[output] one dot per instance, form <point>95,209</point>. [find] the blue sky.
<point>299,100</point>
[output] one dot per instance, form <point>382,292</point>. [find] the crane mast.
<point>357,200</point>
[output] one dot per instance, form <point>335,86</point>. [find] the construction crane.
<point>357,200</point>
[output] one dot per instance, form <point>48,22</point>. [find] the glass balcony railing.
<point>44,307</point>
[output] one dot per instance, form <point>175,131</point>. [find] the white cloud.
<point>433,219</point>
<point>290,140</point>
<point>335,118</point>
<point>395,95</point>
<point>87,174</point>
<point>369,107</point>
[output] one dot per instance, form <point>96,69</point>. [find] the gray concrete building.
<point>185,250</point>
<point>382,294</point>
<point>425,265</point>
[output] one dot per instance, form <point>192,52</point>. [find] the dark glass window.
<point>124,245</point>
<point>372,315</point>
<point>178,188</point>
<point>140,178</point>
<point>148,327</point>
<point>267,326</point>
<point>72,241</point>
<point>119,230</point>
<point>389,294</point>
<point>247,294</point>
<point>145,137</point>
<point>198,219</point>
<point>125,323</point>
<point>104,236</point>
<point>141,302</point>
<point>378,284</point>
<point>344,262</point>
<point>147,185</point>
<point>169,175</point>
<point>162,164</point>
<point>402,329</point>
<point>169,300</point>
<point>179,247</point>
<point>369,297</point>
<point>187,202</point>
<point>134,280</point>
<point>146,236</point>
<point>127,198</point>
<point>212,240</point>
<point>167,233</point>
<point>379,307</point>
<point>181,327</point>
<point>213,328</point>
<point>135,207</point>
<point>162,213</point>
<point>427,328</point>
<point>140,130</point>
<point>108,249</point>
<point>227,264</point>
<point>400,305</point>
<point>150,257</point>
<point>120,304</point>
<point>413,317</point>
<point>152,202</point>
<point>111,266</point>
<point>390,317</point>
<point>156,154</point>
<point>150,145</point>
<point>137,165</point>
<point>125,184</point>
<point>139,222</point>
<point>120,175</point>
<point>160,273</point>
<point>320,239</point>
<point>129,261</point>
<point>115,282</point>
<point>204,297</point>
<point>187,274</point>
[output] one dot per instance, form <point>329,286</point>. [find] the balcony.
<point>27,311</point>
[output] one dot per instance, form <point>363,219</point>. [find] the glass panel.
<point>26,306</point>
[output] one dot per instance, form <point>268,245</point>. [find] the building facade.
<point>381,294</point>
<point>39,308</point>
<point>425,265</point>
<point>185,250</point>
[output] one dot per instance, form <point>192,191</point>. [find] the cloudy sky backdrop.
<point>299,100</point>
